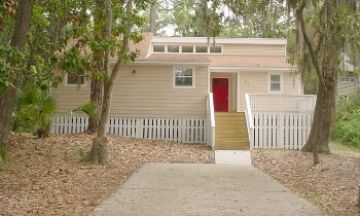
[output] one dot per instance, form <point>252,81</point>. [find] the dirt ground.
<point>333,185</point>
<point>45,177</point>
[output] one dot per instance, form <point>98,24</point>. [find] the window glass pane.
<point>183,81</point>
<point>75,79</point>
<point>159,48</point>
<point>179,71</point>
<point>173,48</point>
<point>187,49</point>
<point>275,86</point>
<point>215,49</point>
<point>183,76</point>
<point>275,78</point>
<point>201,49</point>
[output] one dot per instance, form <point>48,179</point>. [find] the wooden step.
<point>231,132</point>
<point>232,146</point>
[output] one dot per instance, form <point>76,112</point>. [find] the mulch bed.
<point>333,185</point>
<point>45,176</point>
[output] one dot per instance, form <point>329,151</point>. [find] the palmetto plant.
<point>35,108</point>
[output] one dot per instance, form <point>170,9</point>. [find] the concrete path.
<point>203,190</point>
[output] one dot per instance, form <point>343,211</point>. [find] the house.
<point>166,92</point>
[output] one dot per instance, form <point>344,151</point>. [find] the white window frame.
<point>193,76</point>
<point>281,83</point>
<point>73,84</point>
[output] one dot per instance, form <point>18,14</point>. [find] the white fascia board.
<point>251,69</point>
<point>204,40</point>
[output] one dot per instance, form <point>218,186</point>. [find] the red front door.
<point>220,89</point>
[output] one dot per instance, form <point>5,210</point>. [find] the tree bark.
<point>152,24</point>
<point>96,89</point>
<point>7,98</point>
<point>320,129</point>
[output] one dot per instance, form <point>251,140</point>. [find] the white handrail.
<point>211,120</point>
<point>249,118</point>
<point>248,110</point>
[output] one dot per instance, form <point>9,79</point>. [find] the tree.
<point>7,98</point>
<point>322,51</point>
<point>262,18</point>
<point>129,18</point>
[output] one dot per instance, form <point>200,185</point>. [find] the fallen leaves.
<point>332,185</point>
<point>45,177</point>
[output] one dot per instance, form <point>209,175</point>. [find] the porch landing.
<point>231,132</point>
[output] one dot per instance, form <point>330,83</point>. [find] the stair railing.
<point>249,119</point>
<point>210,121</point>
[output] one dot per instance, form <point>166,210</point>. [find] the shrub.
<point>348,120</point>
<point>34,110</point>
<point>4,161</point>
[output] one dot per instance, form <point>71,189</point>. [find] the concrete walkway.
<point>203,190</point>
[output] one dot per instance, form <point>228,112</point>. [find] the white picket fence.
<point>185,130</point>
<point>286,127</point>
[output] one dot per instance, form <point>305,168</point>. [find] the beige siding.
<point>256,82</point>
<point>68,97</point>
<point>147,93</point>
<point>150,92</point>
<point>254,49</point>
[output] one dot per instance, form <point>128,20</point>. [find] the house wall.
<point>255,49</point>
<point>258,82</point>
<point>69,97</point>
<point>149,92</point>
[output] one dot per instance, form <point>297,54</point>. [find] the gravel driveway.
<point>203,189</point>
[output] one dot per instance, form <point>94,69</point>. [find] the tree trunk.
<point>98,153</point>
<point>7,98</point>
<point>325,105</point>
<point>152,24</point>
<point>96,89</point>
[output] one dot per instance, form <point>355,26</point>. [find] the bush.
<point>348,120</point>
<point>34,110</point>
<point>4,161</point>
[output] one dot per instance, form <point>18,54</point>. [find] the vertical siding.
<point>258,82</point>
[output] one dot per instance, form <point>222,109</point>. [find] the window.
<point>187,49</point>
<point>173,48</point>
<point>74,79</point>
<point>275,82</point>
<point>158,48</point>
<point>201,49</point>
<point>183,77</point>
<point>215,49</point>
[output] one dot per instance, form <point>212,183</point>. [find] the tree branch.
<point>299,14</point>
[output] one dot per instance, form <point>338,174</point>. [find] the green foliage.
<point>34,110</point>
<point>83,155</point>
<point>89,109</point>
<point>4,161</point>
<point>348,120</point>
